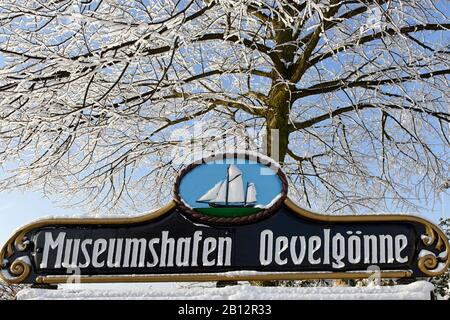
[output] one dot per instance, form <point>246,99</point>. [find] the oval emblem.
<point>231,188</point>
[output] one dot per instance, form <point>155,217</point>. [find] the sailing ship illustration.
<point>230,192</point>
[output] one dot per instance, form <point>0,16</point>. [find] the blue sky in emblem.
<point>202,178</point>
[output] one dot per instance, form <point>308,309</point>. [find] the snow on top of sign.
<point>424,253</point>
<point>88,216</point>
<point>371,214</point>
<point>440,267</point>
<point>244,291</point>
<point>5,274</point>
<point>262,206</point>
<point>198,156</point>
<point>193,222</point>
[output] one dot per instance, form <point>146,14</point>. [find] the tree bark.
<point>277,122</point>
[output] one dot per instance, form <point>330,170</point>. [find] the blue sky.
<point>19,208</point>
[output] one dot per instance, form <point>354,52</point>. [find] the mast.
<point>228,185</point>
<point>245,196</point>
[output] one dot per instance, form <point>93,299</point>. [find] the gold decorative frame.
<point>20,269</point>
<point>220,277</point>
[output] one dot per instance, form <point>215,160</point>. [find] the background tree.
<point>9,291</point>
<point>442,283</point>
<point>92,92</point>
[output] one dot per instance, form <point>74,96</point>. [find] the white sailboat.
<point>230,191</point>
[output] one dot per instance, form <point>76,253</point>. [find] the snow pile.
<point>420,290</point>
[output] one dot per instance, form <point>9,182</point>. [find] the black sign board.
<point>240,227</point>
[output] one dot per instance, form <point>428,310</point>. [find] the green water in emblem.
<point>228,211</point>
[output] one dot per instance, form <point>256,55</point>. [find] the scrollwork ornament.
<point>432,264</point>
<point>427,263</point>
<point>19,271</point>
<point>21,242</point>
<point>429,238</point>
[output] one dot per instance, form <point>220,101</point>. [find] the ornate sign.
<point>230,220</point>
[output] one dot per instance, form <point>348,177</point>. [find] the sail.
<point>221,194</point>
<point>233,172</point>
<point>251,193</point>
<point>211,194</point>
<point>235,185</point>
<point>230,191</point>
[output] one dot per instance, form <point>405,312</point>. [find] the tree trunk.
<point>277,122</point>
